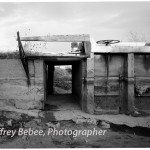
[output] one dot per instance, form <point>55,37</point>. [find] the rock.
<point>12,115</point>
<point>31,124</point>
<point>49,124</point>
<point>41,115</point>
<point>92,121</point>
<point>78,120</point>
<point>24,137</point>
<point>82,120</point>
<point>37,120</point>
<point>58,125</point>
<point>105,125</point>
<point>9,122</point>
<point>52,125</point>
<point>1,125</point>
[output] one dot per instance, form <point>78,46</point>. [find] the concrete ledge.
<point>121,49</point>
<point>7,102</point>
<point>28,105</point>
<point>34,113</point>
<point>119,119</point>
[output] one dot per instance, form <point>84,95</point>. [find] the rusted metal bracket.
<point>24,59</point>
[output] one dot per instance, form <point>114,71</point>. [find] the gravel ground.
<point>110,138</point>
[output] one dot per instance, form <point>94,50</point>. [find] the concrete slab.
<point>119,119</point>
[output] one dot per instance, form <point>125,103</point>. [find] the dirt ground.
<point>113,137</point>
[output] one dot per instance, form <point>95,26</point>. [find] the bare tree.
<point>136,37</point>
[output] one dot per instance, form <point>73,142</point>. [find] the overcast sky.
<point>102,20</point>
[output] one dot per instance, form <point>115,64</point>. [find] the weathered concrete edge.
<point>33,113</point>
<point>71,115</point>
<point>119,119</point>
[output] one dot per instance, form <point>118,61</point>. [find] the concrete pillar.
<point>88,97</point>
<point>123,83</point>
<point>87,46</point>
<point>130,85</point>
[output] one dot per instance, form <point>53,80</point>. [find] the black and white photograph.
<point>74,74</point>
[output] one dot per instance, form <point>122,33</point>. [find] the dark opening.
<point>63,85</point>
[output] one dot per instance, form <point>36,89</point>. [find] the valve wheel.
<point>107,42</point>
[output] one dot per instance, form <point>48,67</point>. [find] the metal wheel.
<point>107,42</point>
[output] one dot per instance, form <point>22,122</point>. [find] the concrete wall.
<point>121,84</point>
<point>107,86</point>
<point>142,82</point>
<point>114,84</point>
<point>13,84</point>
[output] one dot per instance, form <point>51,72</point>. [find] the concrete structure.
<point>105,79</point>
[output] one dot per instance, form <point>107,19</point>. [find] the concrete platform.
<point>119,119</point>
<point>65,107</point>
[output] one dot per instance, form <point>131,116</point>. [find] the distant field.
<point>62,80</point>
